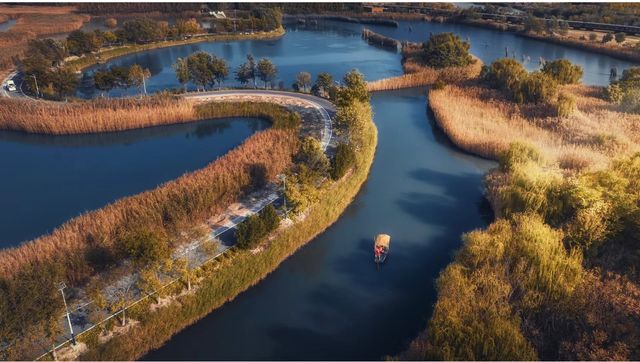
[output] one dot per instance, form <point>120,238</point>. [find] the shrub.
<point>566,105</point>
<point>250,231</point>
<point>345,159</point>
<point>145,247</point>
<point>563,71</point>
<point>620,37</point>
<point>593,36</point>
<point>631,101</point>
<point>446,50</point>
<point>255,227</point>
<point>505,74</point>
<point>518,153</point>
<point>614,93</point>
<point>537,88</point>
<point>313,157</point>
<point>607,38</point>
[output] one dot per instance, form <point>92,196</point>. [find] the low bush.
<point>566,105</point>
<point>563,71</point>
<point>343,161</point>
<point>446,50</point>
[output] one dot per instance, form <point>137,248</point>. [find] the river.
<point>328,301</point>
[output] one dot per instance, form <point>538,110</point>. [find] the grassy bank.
<point>244,269</point>
<point>555,276</point>
<point>484,122</point>
<point>121,114</point>
<point>107,54</point>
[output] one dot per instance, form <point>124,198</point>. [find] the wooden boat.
<point>381,248</point>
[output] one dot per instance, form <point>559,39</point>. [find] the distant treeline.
<point>134,7</point>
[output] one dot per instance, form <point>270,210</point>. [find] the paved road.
<point>326,108</point>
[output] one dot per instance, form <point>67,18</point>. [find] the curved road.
<point>324,107</point>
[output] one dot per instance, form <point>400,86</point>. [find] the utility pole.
<point>61,287</point>
<point>36,81</point>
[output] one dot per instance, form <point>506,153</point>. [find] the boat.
<point>381,248</point>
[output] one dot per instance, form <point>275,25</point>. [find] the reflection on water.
<point>319,48</point>
<point>54,178</point>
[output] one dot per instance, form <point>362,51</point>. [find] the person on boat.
<point>378,250</point>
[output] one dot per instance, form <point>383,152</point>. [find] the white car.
<point>11,86</point>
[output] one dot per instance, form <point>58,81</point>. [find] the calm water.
<point>334,49</point>
<point>327,301</point>
<point>56,178</point>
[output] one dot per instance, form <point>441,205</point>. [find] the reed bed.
<point>481,121</point>
<point>192,197</point>
<point>100,115</point>
<point>33,22</point>
<point>420,76</point>
<point>380,40</point>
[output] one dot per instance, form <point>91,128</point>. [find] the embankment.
<point>222,283</point>
<point>119,114</point>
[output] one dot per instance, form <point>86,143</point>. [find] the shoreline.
<point>82,63</point>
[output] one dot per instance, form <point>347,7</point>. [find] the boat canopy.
<point>383,240</point>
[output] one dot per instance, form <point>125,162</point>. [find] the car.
<point>11,86</point>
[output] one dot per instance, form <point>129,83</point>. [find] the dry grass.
<point>33,22</point>
<point>419,75</point>
<point>100,115</point>
<point>187,199</point>
<point>481,121</point>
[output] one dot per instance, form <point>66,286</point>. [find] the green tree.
<point>243,74</point>
<point>620,37</point>
<point>303,79</point>
<point>200,70</point>
<point>563,71</point>
<point>593,36</point>
<point>141,30</point>
<point>607,38</point>
<point>219,69</point>
<point>147,248</point>
<point>250,231</point>
<point>270,218</point>
<point>64,81</point>
<point>506,74</point>
<point>181,67</point>
<point>446,50</point>
<point>323,86</point>
<point>266,71</point>
<point>104,81</point>
<point>343,161</point>
<point>353,90</point>
<point>313,157</point>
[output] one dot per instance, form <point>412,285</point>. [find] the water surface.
<point>49,179</point>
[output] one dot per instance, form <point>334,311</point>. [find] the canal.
<point>328,301</point>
